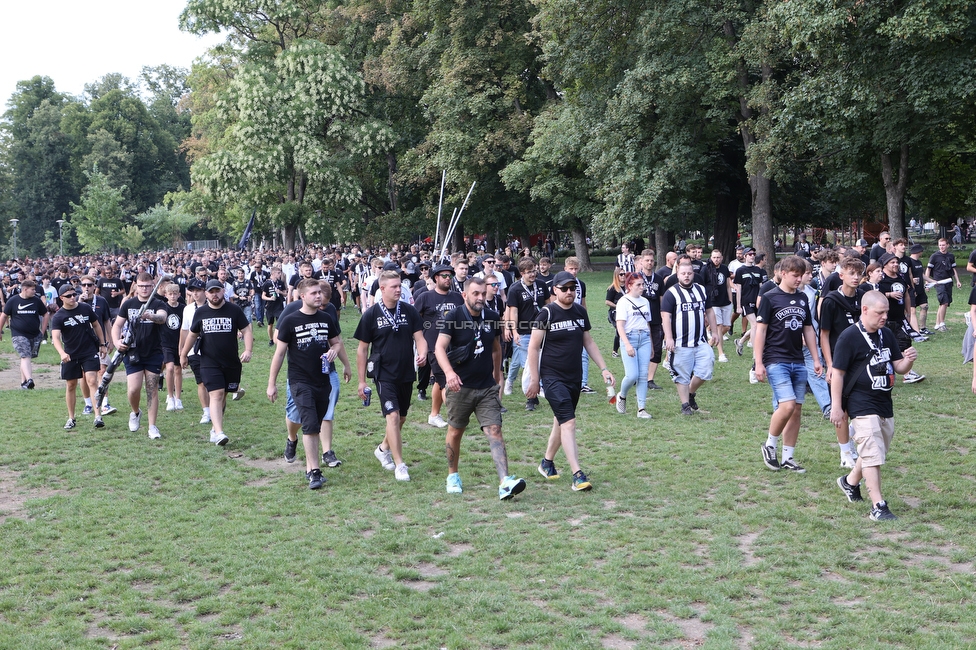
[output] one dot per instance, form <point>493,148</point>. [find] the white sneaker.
<point>621,404</point>
<point>643,415</point>
<point>219,439</point>
<point>213,435</point>
<point>385,458</point>
<point>179,404</point>
<point>752,377</point>
<point>154,433</point>
<point>401,472</point>
<point>134,420</point>
<point>749,344</point>
<point>508,387</point>
<point>238,395</point>
<point>108,409</point>
<point>170,403</point>
<point>205,419</point>
<point>723,359</point>
<point>725,337</point>
<point>436,421</point>
<point>847,460</point>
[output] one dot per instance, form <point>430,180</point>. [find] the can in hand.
<point>325,364</point>
<point>368,392</point>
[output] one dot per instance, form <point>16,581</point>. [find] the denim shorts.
<point>788,381</point>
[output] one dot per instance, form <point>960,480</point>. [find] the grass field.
<point>114,541</point>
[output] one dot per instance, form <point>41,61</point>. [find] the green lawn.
<point>686,539</point>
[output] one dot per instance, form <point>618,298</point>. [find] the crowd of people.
<point>456,331</point>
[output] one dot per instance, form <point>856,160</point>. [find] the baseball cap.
<point>194,285</point>
<point>748,249</point>
<point>861,242</point>
<point>214,284</point>
<point>391,266</point>
<point>66,288</point>
<point>563,278</point>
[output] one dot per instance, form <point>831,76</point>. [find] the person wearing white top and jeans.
<point>633,312</point>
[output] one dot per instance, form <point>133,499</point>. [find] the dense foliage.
<point>333,119</point>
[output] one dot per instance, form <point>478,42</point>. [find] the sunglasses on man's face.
<point>68,295</point>
<point>571,287</point>
<point>87,284</point>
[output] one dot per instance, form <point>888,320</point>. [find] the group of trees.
<point>334,119</point>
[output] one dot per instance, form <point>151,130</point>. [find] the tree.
<point>98,220</point>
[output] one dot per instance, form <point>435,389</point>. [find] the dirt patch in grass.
<point>13,498</point>
<point>428,570</point>
<point>455,550</point>
<point>381,641</point>
<point>694,630</point>
<point>747,543</point>
<point>617,642</point>
<point>634,622</point>
<point>44,375</point>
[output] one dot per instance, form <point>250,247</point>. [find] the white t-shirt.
<point>635,313</point>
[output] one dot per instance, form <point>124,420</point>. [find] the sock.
<point>787,453</point>
<point>847,447</point>
<point>206,410</point>
<point>88,401</point>
<point>772,441</point>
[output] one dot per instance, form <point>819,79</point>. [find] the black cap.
<point>194,285</point>
<point>748,249</point>
<point>423,265</point>
<point>65,288</point>
<point>861,242</point>
<point>563,278</point>
<point>391,266</point>
<point>214,284</point>
<point>887,257</point>
<point>442,268</point>
<point>916,248</point>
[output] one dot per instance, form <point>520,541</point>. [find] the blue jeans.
<point>520,353</point>
<point>258,308</point>
<point>821,391</point>
<point>635,367</point>
<point>586,368</point>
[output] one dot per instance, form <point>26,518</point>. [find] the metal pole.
<point>60,223</point>
<point>440,206</point>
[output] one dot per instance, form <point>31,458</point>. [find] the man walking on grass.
<point>432,306</point>
<point>865,361</point>
<point>28,322</point>
<point>941,270</point>
<point>387,334</point>
<point>783,325</point>
<point>471,386</point>
<point>216,325</point>
<point>78,337</point>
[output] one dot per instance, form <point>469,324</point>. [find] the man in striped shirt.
<point>625,260</point>
<point>685,312</point>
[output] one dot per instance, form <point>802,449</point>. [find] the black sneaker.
<point>70,424</point>
<point>826,412</point>
<point>581,483</point>
<point>880,512</point>
<point>270,343</point>
<point>315,479</point>
<point>99,423</point>
<point>769,457</point>
<point>291,447</point>
<point>687,410</point>
<point>422,395</point>
<point>691,402</point>
<point>792,466</point>
<point>548,469</point>
<point>530,405</point>
<point>926,331</point>
<point>260,323</point>
<point>586,390</point>
<point>23,385</point>
<point>652,386</point>
<point>30,384</point>
<point>503,411</point>
<point>853,492</point>
<point>330,460</point>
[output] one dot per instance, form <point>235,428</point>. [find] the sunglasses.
<point>87,284</point>
<point>69,295</point>
<point>571,287</point>
<point>489,261</point>
<point>445,275</point>
<point>493,284</point>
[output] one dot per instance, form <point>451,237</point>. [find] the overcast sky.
<point>77,42</point>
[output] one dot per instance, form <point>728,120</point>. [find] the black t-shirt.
<point>394,345</point>
<point>785,314</point>
<point>562,349</point>
<point>716,278</point>
<point>942,265</point>
<point>918,273</point>
<point>170,336</point>
<point>146,334</point>
<point>546,280</point>
<point>242,293</point>
<point>613,295</point>
<point>100,306</point>
<point>105,288</point>
<point>749,278</point>
<point>307,337</point>
<point>463,327</point>
<point>432,307</point>
<point>652,291</point>
<point>335,279</point>
<point>275,289</point>
<point>871,394</point>
<point>77,335</point>
<point>25,315</point>
<point>527,300</point>
<point>837,313</point>
<point>218,334</point>
<point>896,306</point>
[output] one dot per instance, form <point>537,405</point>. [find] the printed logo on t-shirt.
<point>217,324</point>
<point>309,333</point>
<point>173,322</point>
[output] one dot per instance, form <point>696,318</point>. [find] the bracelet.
<point>603,369</point>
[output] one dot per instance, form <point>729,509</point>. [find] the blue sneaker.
<point>88,410</point>
<point>454,483</point>
<point>510,487</point>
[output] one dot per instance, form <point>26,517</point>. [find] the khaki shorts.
<point>483,402</point>
<point>873,435</point>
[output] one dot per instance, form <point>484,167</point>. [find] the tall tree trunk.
<point>762,214</point>
<point>582,250</point>
<point>663,242</point>
<point>288,237</point>
<point>391,163</point>
<point>457,240</point>
<point>895,191</point>
<point>726,223</point>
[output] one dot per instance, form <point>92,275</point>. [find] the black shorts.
<point>562,398</point>
<point>312,403</point>
<point>76,368</point>
<point>657,341</point>
<point>170,356</point>
<point>394,397</point>
<point>435,370</point>
<point>921,297</point>
<point>195,367</point>
<point>152,365</point>
<point>944,293</point>
<point>272,311</point>
<point>749,308</point>
<point>221,378</point>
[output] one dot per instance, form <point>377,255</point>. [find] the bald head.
<point>873,300</point>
